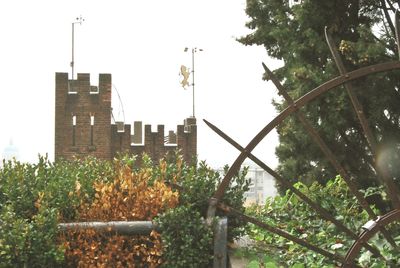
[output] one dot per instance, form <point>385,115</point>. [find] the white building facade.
<point>262,185</point>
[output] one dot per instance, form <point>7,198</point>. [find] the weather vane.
<point>185,72</point>
<point>77,20</point>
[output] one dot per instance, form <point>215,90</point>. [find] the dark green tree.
<point>364,32</point>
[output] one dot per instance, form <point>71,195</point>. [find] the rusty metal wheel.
<point>377,223</point>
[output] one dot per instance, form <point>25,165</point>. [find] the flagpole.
<point>193,51</point>
<point>78,20</point>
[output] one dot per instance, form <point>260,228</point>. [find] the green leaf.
<point>253,264</point>
<point>270,265</point>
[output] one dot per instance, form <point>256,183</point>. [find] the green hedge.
<point>34,198</point>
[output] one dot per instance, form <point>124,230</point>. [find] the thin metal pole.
<point>220,243</point>
<point>193,51</point>
<point>120,227</point>
<point>72,61</point>
<point>78,20</point>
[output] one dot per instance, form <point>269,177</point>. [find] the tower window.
<point>91,129</point>
<point>73,129</point>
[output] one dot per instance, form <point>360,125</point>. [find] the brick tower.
<point>82,117</point>
<point>83,125</point>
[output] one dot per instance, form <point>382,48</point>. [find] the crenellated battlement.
<point>83,125</point>
<point>156,144</point>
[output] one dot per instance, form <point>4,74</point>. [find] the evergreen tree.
<point>364,32</point>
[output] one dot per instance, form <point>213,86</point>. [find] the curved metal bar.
<point>328,153</point>
<point>279,232</point>
<point>383,173</point>
<point>368,232</point>
<point>288,111</point>
<point>319,209</point>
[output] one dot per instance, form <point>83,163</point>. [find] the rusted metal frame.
<point>397,31</point>
<point>370,231</point>
<point>272,229</point>
<point>285,113</point>
<point>382,172</point>
<point>340,80</point>
<point>289,110</point>
<point>328,153</point>
<point>319,209</point>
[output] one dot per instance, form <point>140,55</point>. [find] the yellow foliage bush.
<point>131,196</point>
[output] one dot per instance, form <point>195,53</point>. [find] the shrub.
<point>129,197</point>
<point>197,184</point>
<point>34,198</point>
<point>29,242</point>
<point>186,239</point>
<point>289,213</point>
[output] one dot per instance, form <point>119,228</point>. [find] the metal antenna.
<point>194,50</point>
<point>77,20</point>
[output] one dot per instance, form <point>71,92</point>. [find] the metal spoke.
<point>319,209</point>
<point>279,232</point>
<point>334,83</point>
<point>397,31</point>
<point>383,173</point>
<point>289,110</point>
<point>328,153</point>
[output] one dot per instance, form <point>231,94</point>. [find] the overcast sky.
<point>141,43</point>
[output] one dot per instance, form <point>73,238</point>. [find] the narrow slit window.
<point>91,129</point>
<point>73,129</point>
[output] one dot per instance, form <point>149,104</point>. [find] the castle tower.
<point>83,125</point>
<point>82,117</point>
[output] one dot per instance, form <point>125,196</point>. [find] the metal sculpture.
<point>377,223</point>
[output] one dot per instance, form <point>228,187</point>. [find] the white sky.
<point>141,44</point>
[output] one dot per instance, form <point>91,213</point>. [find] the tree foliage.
<point>293,31</point>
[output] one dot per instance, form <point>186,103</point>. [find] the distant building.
<point>10,151</point>
<point>83,125</point>
<point>262,185</point>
